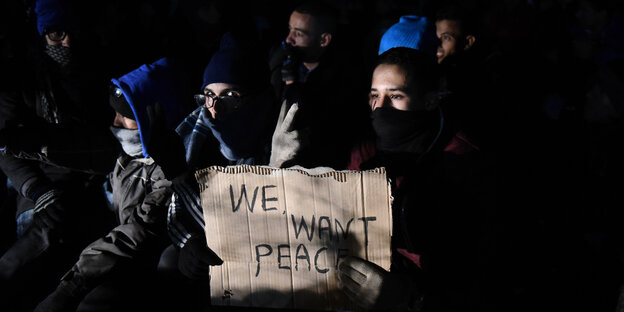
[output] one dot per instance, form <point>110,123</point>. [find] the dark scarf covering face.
<point>61,55</point>
<point>404,138</point>
<point>411,132</point>
<point>243,133</point>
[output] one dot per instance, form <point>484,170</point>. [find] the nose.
<point>382,101</point>
<point>66,42</point>
<point>289,39</point>
<point>118,121</point>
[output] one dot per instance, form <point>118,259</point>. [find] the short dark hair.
<point>461,15</point>
<point>422,73</point>
<point>323,13</point>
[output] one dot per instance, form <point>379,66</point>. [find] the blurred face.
<point>449,34</point>
<point>222,98</point>
<point>124,122</point>
<point>389,88</point>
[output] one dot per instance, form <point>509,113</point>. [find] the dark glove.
<point>50,209</point>
<point>373,288</point>
<point>66,297</point>
<point>16,139</point>
<point>196,258</point>
<point>164,145</point>
<point>290,65</point>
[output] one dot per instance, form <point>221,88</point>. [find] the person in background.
<point>55,150</point>
<point>411,31</point>
<point>318,81</point>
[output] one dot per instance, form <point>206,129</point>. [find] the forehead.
<point>217,87</point>
<point>301,21</point>
<point>448,26</point>
<point>387,76</point>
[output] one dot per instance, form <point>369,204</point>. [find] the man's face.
<point>124,122</point>
<point>389,88</point>
<point>449,33</point>
<point>304,36</point>
<point>222,98</point>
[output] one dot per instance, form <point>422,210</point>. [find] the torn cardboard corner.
<point>282,232</point>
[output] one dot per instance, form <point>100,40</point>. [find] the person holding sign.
<point>435,184</point>
<point>233,125</point>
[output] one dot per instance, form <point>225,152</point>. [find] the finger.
<point>359,264</point>
<point>353,297</point>
<point>348,273</point>
<point>282,114</point>
<point>288,120</point>
<point>213,258</point>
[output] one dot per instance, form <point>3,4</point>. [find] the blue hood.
<point>54,14</point>
<point>160,82</point>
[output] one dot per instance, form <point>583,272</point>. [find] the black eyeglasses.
<point>56,35</point>
<point>232,100</point>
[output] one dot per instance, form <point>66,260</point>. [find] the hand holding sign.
<point>373,288</point>
<point>196,258</point>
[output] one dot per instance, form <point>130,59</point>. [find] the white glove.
<point>373,288</point>
<point>286,142</point>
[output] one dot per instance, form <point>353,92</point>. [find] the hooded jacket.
<point>141,194</point>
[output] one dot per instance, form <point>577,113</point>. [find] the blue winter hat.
<point>237,62</point>
<point>160,82</point>
<point>411,31</point>
<point>53,14</point>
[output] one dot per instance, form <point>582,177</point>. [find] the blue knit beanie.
<point>53,14</point>
<point>237,62</point>
<point>411,32</point>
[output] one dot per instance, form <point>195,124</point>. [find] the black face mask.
<point>412,132</point>
<point>61,55</point>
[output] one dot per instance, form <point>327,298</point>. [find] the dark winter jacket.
<point>140,191</point>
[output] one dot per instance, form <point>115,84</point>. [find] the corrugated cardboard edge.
<point>202,176</point>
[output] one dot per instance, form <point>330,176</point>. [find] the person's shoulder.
<point>461,144</point>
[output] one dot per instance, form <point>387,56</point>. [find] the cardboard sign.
<point>282,232</point>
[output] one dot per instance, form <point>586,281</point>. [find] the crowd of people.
<point>497,123</point>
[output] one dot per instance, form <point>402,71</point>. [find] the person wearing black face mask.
<point>56,150</point>
<point>232,126</point>
<point>434,174</point>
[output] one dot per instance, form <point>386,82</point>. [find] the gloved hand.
<point>373,288</point>
<point>66,297</point>
<point>50,210</point>
<point>27,139</point>
<point>165,146</point>
<point>290,66</point>
<point>286,141</point>
<point>196,258</point>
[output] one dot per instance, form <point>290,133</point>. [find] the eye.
<point>374,96</point>
<point>396,96</point>
<point>233,93</point>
